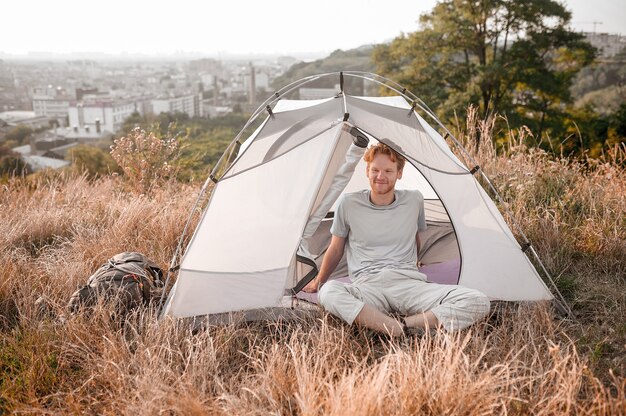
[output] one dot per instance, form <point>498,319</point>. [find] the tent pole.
<point>268,102</point>
<point>561,303</point>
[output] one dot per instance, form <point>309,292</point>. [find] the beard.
<point>382,188</point>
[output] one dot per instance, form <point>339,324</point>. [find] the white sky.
<point>232,26</point>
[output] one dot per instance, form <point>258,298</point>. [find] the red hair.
<point>383,149</point>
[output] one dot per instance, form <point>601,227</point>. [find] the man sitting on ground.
<point>381,228</point>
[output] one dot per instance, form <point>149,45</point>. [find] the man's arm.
<point>418,244</point>
<point>329,264</point>
<point>421,225</point>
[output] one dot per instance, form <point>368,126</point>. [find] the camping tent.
<point>265,229</point>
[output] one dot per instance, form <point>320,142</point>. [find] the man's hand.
<point>329,263</point>
<point>312,287</point>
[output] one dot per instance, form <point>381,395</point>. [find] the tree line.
<point>519,60</point>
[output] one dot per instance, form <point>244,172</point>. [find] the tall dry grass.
<point>574,213</point>
<point>55,231</point>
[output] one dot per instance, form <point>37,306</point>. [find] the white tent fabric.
<point>247,238</point>
<point>243,253</point>
<point>331,190</point>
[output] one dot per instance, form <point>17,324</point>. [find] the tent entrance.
<point>439,250</point>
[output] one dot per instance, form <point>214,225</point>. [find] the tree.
<point>92,160</point>
<point>619,121</point>
<point>11,164</point>
<point>514,58</point>
<point>19,134</point>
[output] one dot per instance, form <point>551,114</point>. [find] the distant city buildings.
<point>608,44</point>
<point>53,108</point>
<point>317,93</point>
<point>36,160</point>
<point>91,96</point>
<point>67,102</point>
<point>188,104</point>
<point>23,118</point>
<point>99,115</point>
<point>9,99</point>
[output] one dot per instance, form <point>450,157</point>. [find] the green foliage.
<point>162,121</point>
<point>513,58</point>
<point>202,140</point>
<point>619,121</point>
<point>92,160</point>
<point>11,164</point>
<point>584,131</point>
<point>28,367</point>
<point>567,286</point>
<point>201,153</point>
<point>19,134</point>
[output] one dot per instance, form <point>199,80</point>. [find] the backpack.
<point>129,279</point>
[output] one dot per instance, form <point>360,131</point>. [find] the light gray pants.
<point>405,292</point>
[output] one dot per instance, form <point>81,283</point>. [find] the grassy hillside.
<point>359,59</point>
<point>55,231</point>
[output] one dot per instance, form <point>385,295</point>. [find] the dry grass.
<point>54,231</point>
<point>574,213</point>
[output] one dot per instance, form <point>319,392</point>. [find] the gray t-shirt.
<point>379,237</point>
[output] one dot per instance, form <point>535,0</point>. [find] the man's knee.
<point>482,305</point>
<point>329,292</point>
<point>464,308</point>
<point>337,298</point>
<point>476,302</point>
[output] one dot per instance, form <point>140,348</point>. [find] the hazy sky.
<point>232,26</point>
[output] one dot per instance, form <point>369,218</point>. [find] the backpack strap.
<point>143,283</point>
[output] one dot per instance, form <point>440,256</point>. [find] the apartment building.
<point>608,44</point>
<point>51,107</point>
<point>189,104</point>
<point>102,114</point>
